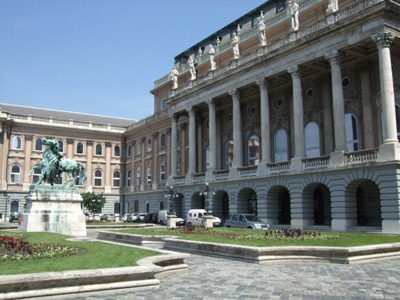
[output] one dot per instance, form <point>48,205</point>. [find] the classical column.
<point>335,58</point>
<point>212,130</point>
<point>192,140</point>
<point>298,122</point>
<point>174,144</point>
<point>382,41</point>
<point>237,130</point>
<point>265,121</point>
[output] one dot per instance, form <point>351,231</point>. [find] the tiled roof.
<point>64,115</point>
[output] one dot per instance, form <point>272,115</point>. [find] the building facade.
<point>290,112</point>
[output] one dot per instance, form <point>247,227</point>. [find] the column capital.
<point>210,102</point>
<point>262,83</point>
<point>382,39</point>
<point>191,110</point>
<point>334,57</point>
<point>235,94</point>
<point>295,71</point>
<point>174,116</point>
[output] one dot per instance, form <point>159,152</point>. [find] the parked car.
<point>195,217</point>
<point>245,221</point>
<point>127,218</point>
<point>138,217</point>
<point>162,218</point>
<point>151,218</point>
<point>107,217</point>
<point>14,216</point>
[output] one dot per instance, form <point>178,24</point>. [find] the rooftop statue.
<point>53,165</point>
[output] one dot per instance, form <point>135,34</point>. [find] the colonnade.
<point>382,40</point>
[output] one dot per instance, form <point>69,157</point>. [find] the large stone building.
<point>290,112</point>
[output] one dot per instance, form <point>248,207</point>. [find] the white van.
<point>195,217</point>
<point>162,218</point>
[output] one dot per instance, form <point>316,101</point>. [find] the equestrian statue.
<point>53,165</point>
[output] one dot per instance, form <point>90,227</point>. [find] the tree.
<point>93,203</point>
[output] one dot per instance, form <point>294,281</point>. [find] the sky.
<point>100,56</point>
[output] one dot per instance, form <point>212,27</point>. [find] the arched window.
<point>38,145</point>
<point>351,132</point>
<point>117,151</point>
<point>139,148</point>
<point>17,143</point>
<point>99,149</point>
<point>61,146</point>
<point>136,206</point>
<point>161,205</point>
<point>163,104</point>
<point>149,145</point>
<point>398,121</point>
<point>228,154</point>
<point>162,172</point>
<point>15,174</point>
<point>148,174</point>
<point>129,178</point>
<point>253,150</point>
<point>138,177</point>
<point>36,175</point>
<point>281,145</point>
<point>79,148</point>
<point>116,178</point>
<point>162,141</point>
<point>312,140</point>
<point>98,177</point>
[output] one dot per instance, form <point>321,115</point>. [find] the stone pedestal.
<point>171,221</point>
<point>54,209</point>
<point>208,221</point>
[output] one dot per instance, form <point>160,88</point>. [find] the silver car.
<point>245,221</point>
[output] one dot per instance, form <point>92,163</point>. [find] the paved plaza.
<point>216,278</point>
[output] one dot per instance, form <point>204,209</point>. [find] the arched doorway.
<point>284,207</point>
<point>368,205</point>
<point>318,207</point>
<point>247,201</point>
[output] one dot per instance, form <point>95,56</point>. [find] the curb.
<point>68,282</point>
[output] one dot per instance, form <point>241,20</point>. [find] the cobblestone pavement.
<point>216,278</point>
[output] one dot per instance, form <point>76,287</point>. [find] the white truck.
<point>195,217</point>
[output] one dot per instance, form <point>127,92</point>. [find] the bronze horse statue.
<point>53,164</point>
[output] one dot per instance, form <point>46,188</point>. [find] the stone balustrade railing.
<point>361,156</point>
<point>273,44</point>
<point>248,171</point>
<point>278,167</point>
<point>316,162</point>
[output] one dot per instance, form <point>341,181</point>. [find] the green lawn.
<point>93,255</point>
<point>255,237</point>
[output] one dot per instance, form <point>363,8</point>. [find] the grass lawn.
<point>257,237</point>
<point>92,255</point>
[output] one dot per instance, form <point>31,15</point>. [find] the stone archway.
<point>247,201</point>
<point>364,203</point>
<point>284,209</point>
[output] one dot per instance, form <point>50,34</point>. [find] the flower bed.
<point>290,234</point>
<point>16,247</point>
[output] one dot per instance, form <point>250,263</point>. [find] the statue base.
<point>54,209</point>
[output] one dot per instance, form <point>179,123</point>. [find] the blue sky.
<point>100,56</point>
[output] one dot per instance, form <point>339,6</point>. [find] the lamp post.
<point>171,216</point>
<point>207,193</point>
<point>208,217</point>
<point>170,194</point>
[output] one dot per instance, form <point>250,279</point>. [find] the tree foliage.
<point>93,202</point>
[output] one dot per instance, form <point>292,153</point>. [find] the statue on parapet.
<point>53,165</point>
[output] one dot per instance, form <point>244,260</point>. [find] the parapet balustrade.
<point>316,162</point>
<point>273,44</point>
<point>361,156</point>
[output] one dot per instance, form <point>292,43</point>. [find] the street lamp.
<point>170,194</point>
<point>207,193</point>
